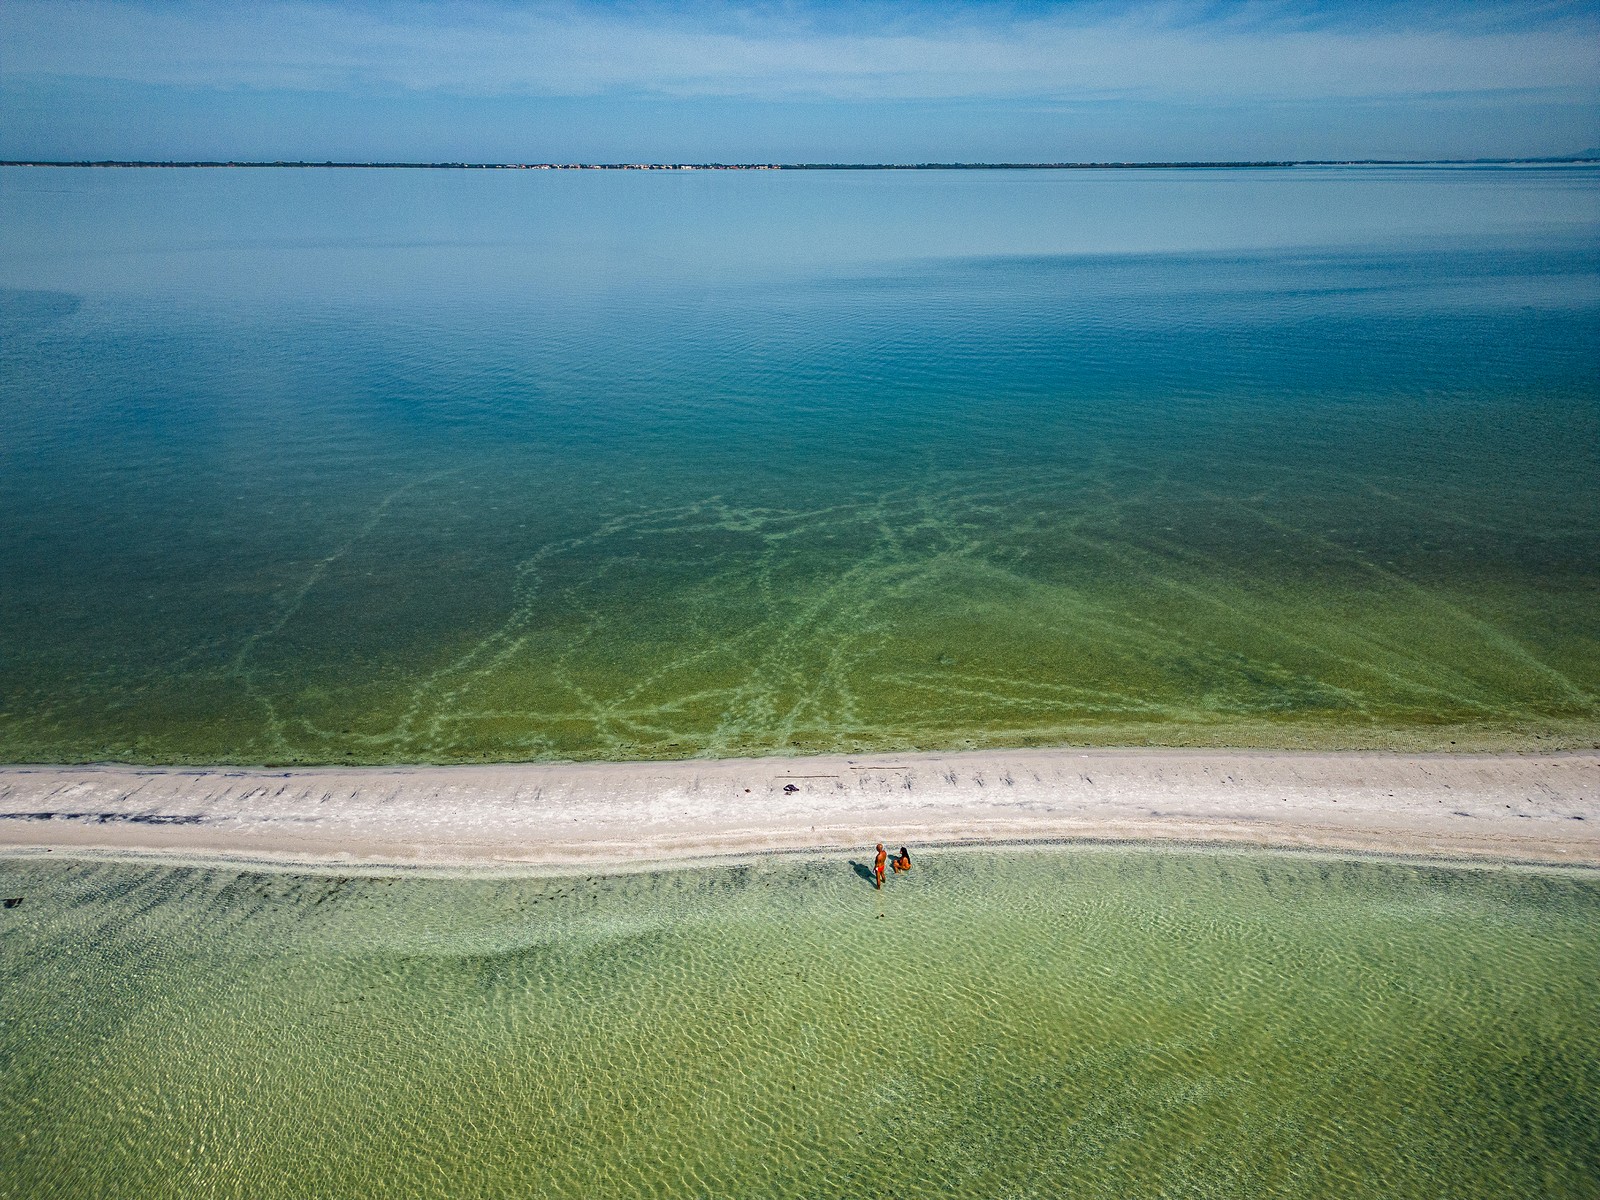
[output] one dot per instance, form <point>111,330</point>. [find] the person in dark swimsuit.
<point>902,863</point>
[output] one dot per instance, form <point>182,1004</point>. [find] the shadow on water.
<point>863,870</point>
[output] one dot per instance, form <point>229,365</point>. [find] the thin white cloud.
<point>1168,51</point>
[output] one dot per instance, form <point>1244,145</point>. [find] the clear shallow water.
<point>1039,1023</point>
<point>392,466</point>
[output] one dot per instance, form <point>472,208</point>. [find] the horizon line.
<point>1586,157</point>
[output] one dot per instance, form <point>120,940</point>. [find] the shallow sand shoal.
<point>1527,808</point>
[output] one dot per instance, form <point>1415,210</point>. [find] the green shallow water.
<point>1028,1023</point>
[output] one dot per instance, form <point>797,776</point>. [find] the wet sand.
<point>1526,808</point>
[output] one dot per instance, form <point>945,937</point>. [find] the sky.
<point>497,81</point>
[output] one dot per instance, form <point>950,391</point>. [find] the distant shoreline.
<point>928,166</point>
<point>1528,808</point>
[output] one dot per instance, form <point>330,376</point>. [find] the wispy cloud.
<point>1175,51</point>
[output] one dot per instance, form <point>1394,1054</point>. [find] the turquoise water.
<point>1029,1024</point>
<point>393,466</point>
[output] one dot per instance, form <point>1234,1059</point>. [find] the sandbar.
<point>1533,808</point>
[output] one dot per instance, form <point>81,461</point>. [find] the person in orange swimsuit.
<point>877,865</point>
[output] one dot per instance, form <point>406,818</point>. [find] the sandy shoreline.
<point>1525,808</point>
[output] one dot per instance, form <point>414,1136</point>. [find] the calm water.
<point>376,466</point>
<point>1087,1024</point>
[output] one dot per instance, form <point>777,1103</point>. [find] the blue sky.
<point>906,82</point>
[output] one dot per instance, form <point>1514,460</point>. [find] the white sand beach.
<point>1525,808</point>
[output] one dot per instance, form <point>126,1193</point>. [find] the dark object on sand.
<point>789,787</point>
<point>13,901</point>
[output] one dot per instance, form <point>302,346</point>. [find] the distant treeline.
<point>928,166</point>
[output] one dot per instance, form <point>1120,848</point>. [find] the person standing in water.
<point>877,866</point>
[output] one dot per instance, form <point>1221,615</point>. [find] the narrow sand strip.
<point>1529,808</point>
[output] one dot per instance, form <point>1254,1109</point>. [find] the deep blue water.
<point>308,465</point>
